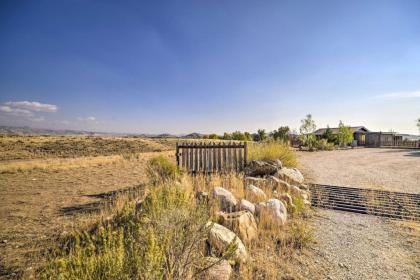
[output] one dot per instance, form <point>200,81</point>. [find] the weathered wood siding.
<point>213,157</point>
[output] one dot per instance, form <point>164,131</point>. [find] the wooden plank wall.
<point>212,157</point>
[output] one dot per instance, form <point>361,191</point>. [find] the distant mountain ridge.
<point>26,130</point>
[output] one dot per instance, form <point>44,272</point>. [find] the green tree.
<point>306,131</point>
<point>262,135</point>
<point>345,135</point>
<point>248,136</point>
<point>227,136</point>
<point>237,135</point>
<point>281,134</point>
<point>213,136</point>
<point>328,135</point>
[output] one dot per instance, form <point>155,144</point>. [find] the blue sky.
<point>209,66</point>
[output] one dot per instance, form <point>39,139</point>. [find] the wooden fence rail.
<point>211,157</point>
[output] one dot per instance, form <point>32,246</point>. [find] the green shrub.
<point>271,151</point>
<point>165,239</point>
<point>161,170</point>
<point>323,145</point>
<point>300,234</point>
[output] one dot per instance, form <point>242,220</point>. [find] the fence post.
<point>177,154</point>
<point>245,153</point>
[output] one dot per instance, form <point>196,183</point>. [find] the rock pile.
<point>238,219</point>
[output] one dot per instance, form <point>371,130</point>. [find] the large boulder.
<point>277,163</point>
<point>242,223</point>
<point>290,175</point>
<point>254,193</point>
<point>260,168</point>
<point>272,211</point>
<point>245,205</point>
<point>279,185</point>
<point>227,201</point>
<point>218,269</point>
<point>219,239</point>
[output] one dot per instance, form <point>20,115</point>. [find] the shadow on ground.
<point>106,198</point>
<point>83,208</point>
<point>408,152</point>
<point>415,153</point>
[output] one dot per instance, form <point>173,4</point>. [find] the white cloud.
<point>15,111</point>
<point>399,95</point>
<point>32,106</point>
<point>90,118</point>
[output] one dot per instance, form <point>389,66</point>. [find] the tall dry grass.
<point>165,237</point>
<point>56,164</point>
<point>273,150</point>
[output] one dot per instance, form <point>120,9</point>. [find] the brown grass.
<point>68,146</point>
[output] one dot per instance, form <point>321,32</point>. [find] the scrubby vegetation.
<point>161,170</point>
<point>164,236</point>
<point>67,146</point>
<point>273,150</point>
<point>324,145</point>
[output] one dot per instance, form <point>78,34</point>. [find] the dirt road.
<point>355,246</point>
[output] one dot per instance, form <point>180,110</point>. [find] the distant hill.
<point>26,130</point>
<point>193,135</point>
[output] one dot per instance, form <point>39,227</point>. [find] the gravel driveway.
<point>356,246</point>
<point>388,169</point>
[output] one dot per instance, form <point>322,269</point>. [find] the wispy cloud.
<point>15,111</point>
<point>32,106</point>
<point>27,109</point>
<point>90,118</point>
<point>399,95</point>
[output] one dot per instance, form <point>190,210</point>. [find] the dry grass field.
<point>67,146</point>
<point>50,185</point>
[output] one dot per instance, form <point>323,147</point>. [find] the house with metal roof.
<point>359,133</point>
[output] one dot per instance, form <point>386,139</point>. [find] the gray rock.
<point>220,237</point>
<point>254,193</point>
<point>218,269</point>
<point>290,175</point>
<point>242,223</point>
<point>227,201</point>
<point>260,168</point>
<point>274,210</point>
<point>246,205</point>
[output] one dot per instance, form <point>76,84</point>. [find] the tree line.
<point>280,134</point>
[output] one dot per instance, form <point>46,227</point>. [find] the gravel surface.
<point>356,246</point>
<point>388,169</point>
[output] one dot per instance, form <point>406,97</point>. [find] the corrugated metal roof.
<point>335,130</point>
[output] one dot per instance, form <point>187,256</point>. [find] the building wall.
<point>378,139</point>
